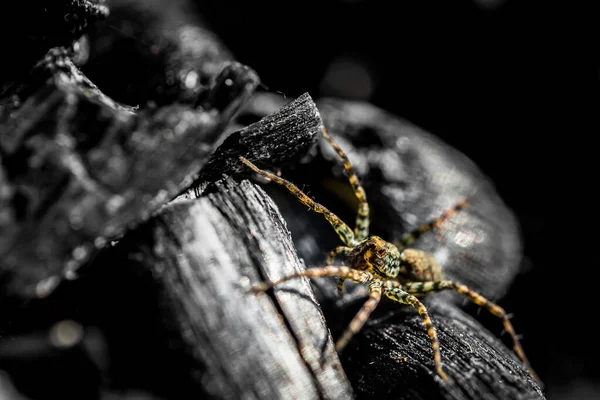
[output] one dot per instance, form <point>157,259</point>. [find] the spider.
<point>391,269</point>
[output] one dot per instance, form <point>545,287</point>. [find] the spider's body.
<point>377,256</point>
<point>392,269</point>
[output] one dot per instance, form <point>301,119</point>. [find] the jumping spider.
<point>401,273</point>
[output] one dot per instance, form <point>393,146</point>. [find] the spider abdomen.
<point>418,265</point>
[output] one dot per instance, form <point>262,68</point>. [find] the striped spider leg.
<point>394,270</point>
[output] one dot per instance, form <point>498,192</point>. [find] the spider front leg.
<point>421,288</point>
<point>341,272</point>
<point>395,292</point>
<point>362,316</point>
<point>345,250</point>
<point>361,229</point>
<point>344,232</point>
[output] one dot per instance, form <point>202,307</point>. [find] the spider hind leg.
<point>410,237</point>
<point>362,316</point>
<point>396,293</point>
<point>422,288</point>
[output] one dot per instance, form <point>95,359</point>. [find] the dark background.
<point>512,84</point>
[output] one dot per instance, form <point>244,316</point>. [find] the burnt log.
<point>199,257</point>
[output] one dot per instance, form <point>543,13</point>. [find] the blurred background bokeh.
<point>512,84</point>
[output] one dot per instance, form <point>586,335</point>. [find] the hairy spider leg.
<point>342,272</point>
<point>344,232</point>
<point>421,288</point>
<point>362,316</point>
<point>345,250</point>
<point>339,271</point>
<point>410,237</point>
<point>395,292</point>
<point>361,229</point>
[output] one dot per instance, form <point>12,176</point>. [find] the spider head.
<point>376,255</point>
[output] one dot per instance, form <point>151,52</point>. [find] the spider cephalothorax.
<point>393,269</point>
<point>376,255</point>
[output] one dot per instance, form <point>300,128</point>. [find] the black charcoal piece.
<point>180,320</point>
<point>79,168</point>
<point>392,359</point>
<point>276,140</point>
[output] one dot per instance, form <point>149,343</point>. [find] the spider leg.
<point>361,230</point>
<point>362,316</point>
<point>343,230</point>
<point>396,293</point>
<point>420,288</point>
<point>341,272</point>
<point>345,250</point>
<point>410,237</point>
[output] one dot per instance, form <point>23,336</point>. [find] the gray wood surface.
<point>204,256</point>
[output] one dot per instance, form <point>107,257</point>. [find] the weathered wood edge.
<point>205,254</point>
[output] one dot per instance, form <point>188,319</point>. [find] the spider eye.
<point>381,252</point>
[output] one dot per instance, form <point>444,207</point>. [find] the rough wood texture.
<point>393,359</point>
<point>269,141</point>
<point>203,255</point>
